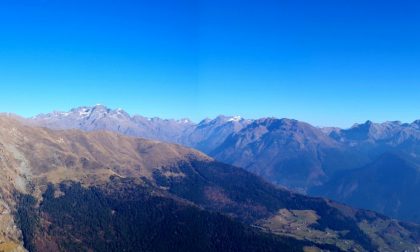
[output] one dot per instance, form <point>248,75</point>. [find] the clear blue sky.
<point>325,62</point>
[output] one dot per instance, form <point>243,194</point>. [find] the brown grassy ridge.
<point>40,154</point>
<point>31,157</point>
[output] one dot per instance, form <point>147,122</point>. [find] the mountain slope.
<point>47,173</point>
<point>123,215</point>
<point>210,134</point>
<point>289,152</point>
<point>390,183</point>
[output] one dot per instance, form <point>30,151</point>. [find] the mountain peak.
<point>416,123</point>
<point>365,125</point>
<point>100,107</point>
<point>221,119</point>
<point>235,119</point>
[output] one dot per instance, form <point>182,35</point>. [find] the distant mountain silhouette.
<point>100,117</point>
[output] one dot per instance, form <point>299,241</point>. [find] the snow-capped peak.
<point>84,112</point>
<point>235,119</point>
<point>183,121</point>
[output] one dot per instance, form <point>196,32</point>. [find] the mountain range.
<point>285,152</point>
<point>69,190</point>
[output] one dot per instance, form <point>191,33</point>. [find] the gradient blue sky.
<point>325,62</point>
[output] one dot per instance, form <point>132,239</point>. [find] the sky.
<point>326,62</point>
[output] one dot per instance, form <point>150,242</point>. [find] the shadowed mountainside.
<point>390,183</point>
